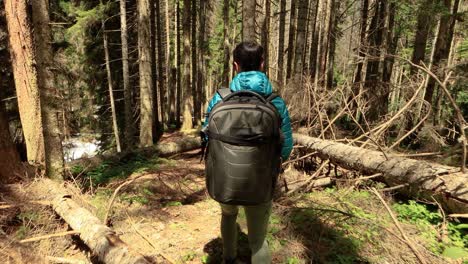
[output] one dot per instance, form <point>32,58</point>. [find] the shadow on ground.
<point>214,249</point>
<point>306,236</point>
<point>323,243</point>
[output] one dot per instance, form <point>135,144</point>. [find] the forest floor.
<point>166,214</point>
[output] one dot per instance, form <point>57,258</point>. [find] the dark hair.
<point>249,56</point>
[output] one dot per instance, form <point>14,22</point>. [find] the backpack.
<point>244,148</point>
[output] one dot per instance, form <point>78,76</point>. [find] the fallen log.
<point>102,240</point>
<point>163,150</point>
<point>420,179</point>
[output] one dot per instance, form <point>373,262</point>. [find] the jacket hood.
<point>253,81</point>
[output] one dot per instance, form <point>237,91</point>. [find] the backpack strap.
<point>271,97</point>
<point>223,92</point>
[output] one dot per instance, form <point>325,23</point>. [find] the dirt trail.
<point>166,214</point>
<point>185,223</point>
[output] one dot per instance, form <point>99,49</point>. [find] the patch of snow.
<point>74,148</point>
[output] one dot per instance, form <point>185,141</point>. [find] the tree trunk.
<point>392,41</point>
<point>187,94</point>
<point>158,118</point>
<point>179,65</point>
<point>442,45</point>
<point>227,45</point>
<point>129,128</point>
<point>169,86</point>
<point>161,64</point>
<point>202,51</point>
<point>146,77</point>
<point>281,39</point>
<point>248,21</point>
<point>194,66</point>
<point>266,37</point>
<point>46,83</point>
<point>376,93</point>
<point>11,168</point>
<point>325,33</point>
<point>101,240</point>
<point>314,41</point>
<point>362,46</point>
<point>332,36</point>
<point>301,36</point>
<point>321,40</point>
<point>291,40</point>
<point>423,28</point>
<point>111,89</point>
<point>27,90</point>
<point>416,178</point>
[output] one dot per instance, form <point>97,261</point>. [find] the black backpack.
<point>244,149</point>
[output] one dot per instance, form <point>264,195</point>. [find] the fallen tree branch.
<point>308,181</point>
<point>447,184</point>
<point>111,202</point>
<point>298,159</point>
<point>397,224</point>
<point>101,240</point>
<point>34,239</point>
<point>458,215</point>
<point>459,116</point>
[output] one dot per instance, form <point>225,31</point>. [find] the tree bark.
<point>314,40</point>
<point>146,78</point>
<point>333,34</point>
<point>172,76</point>
<point>227,45</point>
<point>414,177</point>
<point>362,45</point>
<point>194,64</point>
<point>291,39</point>
<point>178,64</point>
<point>188,89</point>
<point>161,64</point>
<point>281,39</point>
<point>102,240</point>
<point>169,88</point>
<point>202,52</point>
<point>376,93</point>
<point>129,128</point>
<point>48,90</point>
<point>392,41</point>
<point>111,89</point>
<point>442,45</point>
<point>423,28</point>
<point>266,37</point>
<point>301,36</point>
<point>321,40</point>
<point>248,21</point>
<point>11,168</point>
<point>27,89</point>
<point>158,118</point>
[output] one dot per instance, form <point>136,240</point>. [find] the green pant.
<point>257,225</point>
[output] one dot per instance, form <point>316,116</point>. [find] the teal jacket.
<point>258,82</point>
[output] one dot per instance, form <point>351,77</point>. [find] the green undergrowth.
<point>352,226</point>
<point>447,238</point>
<point>111,170</point>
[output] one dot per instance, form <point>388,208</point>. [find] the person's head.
<point>248,56</point>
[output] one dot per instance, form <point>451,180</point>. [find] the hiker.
<point>249,136</point>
